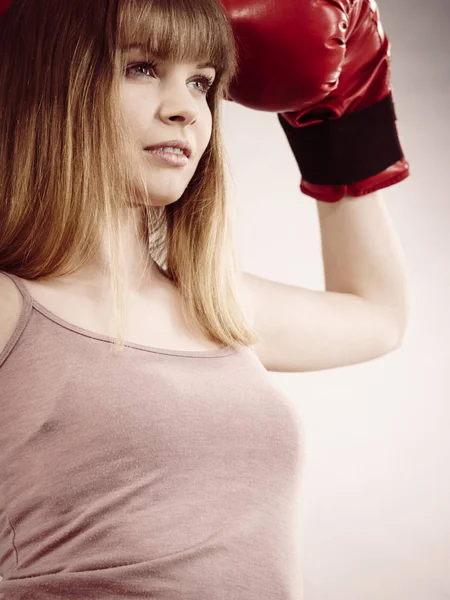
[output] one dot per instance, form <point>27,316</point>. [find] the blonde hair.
<point>63,184</point>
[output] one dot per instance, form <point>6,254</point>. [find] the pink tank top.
<point>152,474</point>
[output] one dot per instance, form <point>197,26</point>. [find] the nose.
<point>179,105</point>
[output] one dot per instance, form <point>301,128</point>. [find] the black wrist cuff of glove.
<point>349,149</point>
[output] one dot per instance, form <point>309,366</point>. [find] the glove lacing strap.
<point>352,148</point>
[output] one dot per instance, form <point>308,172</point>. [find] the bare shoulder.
<point>10,308</point>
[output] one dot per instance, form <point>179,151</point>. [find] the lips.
<point>184,146</point>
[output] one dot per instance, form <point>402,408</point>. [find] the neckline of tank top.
<point>29,299</point>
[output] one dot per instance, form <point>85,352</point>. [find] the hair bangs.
<point>180,31</point>
<point>67,160</point>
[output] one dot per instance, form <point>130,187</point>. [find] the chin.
<point>161,197</point>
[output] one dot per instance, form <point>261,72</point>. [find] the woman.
<point>169,467</point>
<point>166,468</point>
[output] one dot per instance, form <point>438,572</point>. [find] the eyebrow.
<point>204,65</point>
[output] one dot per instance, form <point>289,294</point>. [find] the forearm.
<point>363,256</point>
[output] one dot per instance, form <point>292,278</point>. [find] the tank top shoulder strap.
<point>27,297</point>
<point>23,319</point>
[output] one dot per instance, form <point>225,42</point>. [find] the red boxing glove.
<point>324,66</point>
<point>4,5</point>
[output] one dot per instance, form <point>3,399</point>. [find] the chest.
<point>153,320</point>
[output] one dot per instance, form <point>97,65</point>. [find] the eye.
<point>146,65</point>
<point>206,81</point>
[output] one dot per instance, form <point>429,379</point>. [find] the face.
<point>164,101</point>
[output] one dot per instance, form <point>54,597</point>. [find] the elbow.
<point>397,325</point>
<point>396,337</point>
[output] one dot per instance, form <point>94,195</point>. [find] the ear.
<point>4,5</point>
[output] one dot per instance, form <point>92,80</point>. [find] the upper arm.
<point>10,309</point>
<point>308,330</point>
